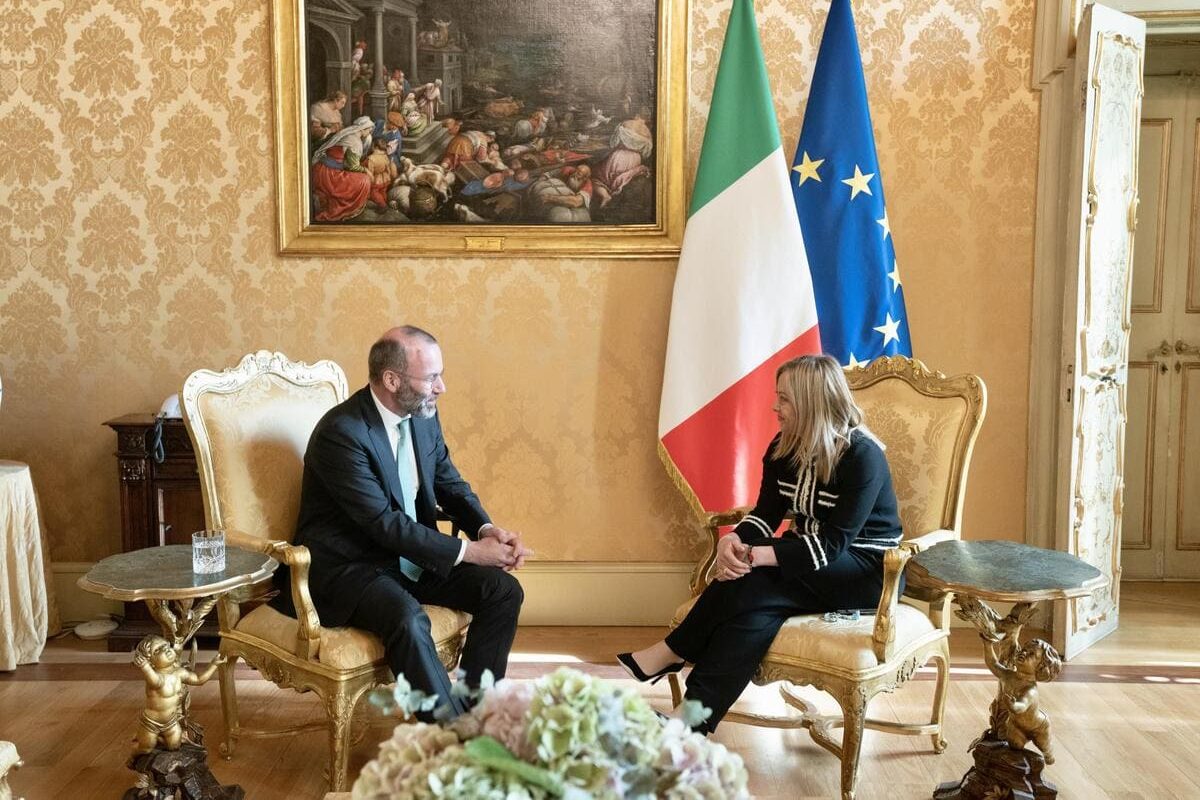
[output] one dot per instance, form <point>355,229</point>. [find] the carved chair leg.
<point>676,689</point>
<point>854,708</point>
<point>942,660</point>
<point>229,709</point>
<point>341,712</point>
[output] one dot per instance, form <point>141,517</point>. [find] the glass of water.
<point>208,551</point>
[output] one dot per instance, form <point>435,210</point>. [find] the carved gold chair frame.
<point>929,423</point>
<point>250,480</point>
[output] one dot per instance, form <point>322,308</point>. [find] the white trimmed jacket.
<point>855,509</point>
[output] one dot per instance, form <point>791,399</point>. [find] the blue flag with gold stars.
<point>839,199</point>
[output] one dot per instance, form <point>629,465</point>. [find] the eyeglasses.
<point>429,379</point>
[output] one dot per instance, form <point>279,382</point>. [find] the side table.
<point>170,755</point>
<point>1011,572</point>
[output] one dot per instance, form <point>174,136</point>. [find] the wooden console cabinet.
<point>160,504</point>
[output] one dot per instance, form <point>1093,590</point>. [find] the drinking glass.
<point>208,551</point>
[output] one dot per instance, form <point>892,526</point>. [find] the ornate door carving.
<point>1103,196</point>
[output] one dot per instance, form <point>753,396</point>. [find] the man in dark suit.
<point>375,471</point>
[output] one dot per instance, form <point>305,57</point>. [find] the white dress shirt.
<point>391,422</point>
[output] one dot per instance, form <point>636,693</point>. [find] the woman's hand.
<point>764,557</point>
<point>731,558</point>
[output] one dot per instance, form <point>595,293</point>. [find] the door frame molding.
<point>1054,50</point>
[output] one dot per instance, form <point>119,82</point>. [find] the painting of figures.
<point>436,127</point>
<point>533,112</point>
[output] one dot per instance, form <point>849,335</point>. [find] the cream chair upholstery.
<point>928,423</point>
<point>250,426</point>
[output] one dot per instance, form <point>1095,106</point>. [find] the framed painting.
<point>444,127</point>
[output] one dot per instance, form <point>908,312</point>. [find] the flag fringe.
<point>682,485</point>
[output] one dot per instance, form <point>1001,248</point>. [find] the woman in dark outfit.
<point>827,470</point>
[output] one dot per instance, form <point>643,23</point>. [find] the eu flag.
<point>839,199</point>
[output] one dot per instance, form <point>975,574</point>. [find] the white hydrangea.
<point>565,735</point>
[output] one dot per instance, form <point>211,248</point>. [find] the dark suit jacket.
<point>352,516</point>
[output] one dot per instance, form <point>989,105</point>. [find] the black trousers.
<point>730,628</point>
<point>391,609</point>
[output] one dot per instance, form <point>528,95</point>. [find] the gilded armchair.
<point>928,423</point>
<point>250,426</point>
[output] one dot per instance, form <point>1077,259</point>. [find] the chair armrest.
<point>883,637</point>
<point>733,516</point>
<point>308,634</point>
<point>921,543</point>
<point>712,525</point>
<point>298,560</point>
<point>939,602</point>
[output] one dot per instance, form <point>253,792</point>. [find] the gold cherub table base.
<point>168,752</point>
<point>1007,572</point>
<point>1004,767</point>
<point>166,721</point>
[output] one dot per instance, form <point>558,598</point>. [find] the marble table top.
<point>1003,571</point>
<point>165,573</point>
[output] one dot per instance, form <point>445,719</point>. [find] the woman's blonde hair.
<point>826,413</point>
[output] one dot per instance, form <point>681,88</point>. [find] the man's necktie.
<point>406,467</point>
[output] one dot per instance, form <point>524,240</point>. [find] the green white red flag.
<point>743,299</point>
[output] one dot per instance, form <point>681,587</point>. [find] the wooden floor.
<point>1126,717</point>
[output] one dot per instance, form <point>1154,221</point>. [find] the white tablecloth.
<point>28,613</point>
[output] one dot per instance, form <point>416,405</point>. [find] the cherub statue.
<point>166,696</point>
<point>1016,716</point>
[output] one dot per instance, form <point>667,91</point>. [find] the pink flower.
<point>503,715</point>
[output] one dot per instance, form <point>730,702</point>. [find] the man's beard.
<point>415,403</point>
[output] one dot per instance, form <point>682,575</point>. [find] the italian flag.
<point>743,300</point>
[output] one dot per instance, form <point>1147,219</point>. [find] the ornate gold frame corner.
<point>299,237</point>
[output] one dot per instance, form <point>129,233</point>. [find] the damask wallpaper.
<point>137,244</point>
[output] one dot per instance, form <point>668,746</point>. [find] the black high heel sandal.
<point>630,664</point>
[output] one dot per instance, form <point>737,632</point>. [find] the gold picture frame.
<point>298,234</point>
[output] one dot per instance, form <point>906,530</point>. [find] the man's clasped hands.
<point>497,547</point>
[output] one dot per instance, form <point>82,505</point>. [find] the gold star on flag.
<point>895,275</point>
<point>890,330</point>
<point>883,223</point>
<point>808,169</point>
<point>859,183</point>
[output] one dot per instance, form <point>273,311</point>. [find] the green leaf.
<point>488,747</point>
<point>488,752</point>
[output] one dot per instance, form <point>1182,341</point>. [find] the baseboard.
<point>74,604</point>
<point>556,592</point>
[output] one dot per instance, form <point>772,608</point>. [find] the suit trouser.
<point>391,609</point>
<point>733,623</point>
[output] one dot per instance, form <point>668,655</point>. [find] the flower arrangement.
<point>567,735</point>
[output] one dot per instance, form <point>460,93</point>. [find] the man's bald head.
<point>391,350</point>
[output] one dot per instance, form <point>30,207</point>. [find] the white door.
<point>1161,529</point>
<point>1102,212</point>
